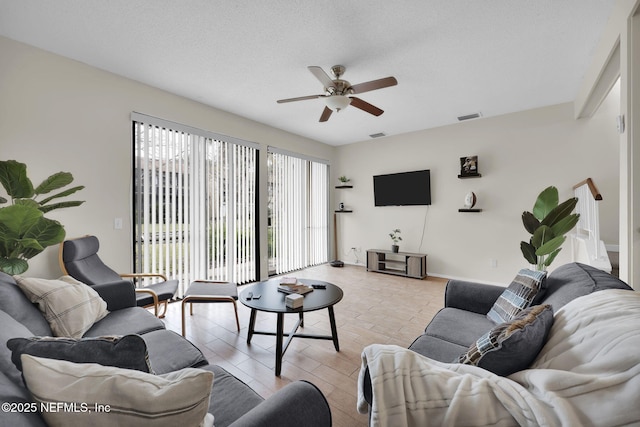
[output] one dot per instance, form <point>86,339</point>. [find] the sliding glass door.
<point>195,201</point>
<point>298,211</point>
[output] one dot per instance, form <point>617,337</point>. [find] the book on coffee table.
<point>290,285</point>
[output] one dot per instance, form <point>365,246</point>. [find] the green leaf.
<point>55,181</point>
<point>551,257</point>
<point>550,246</point>
<point>565,225</point>
<point>60,205</point>
<point>560,212</point>
<point>13,266</point>
<point>19,218</point>
<point>546,202</point>
<point>62,194</point>
<point>542,235</point>
<point>530,222</point>
<point>13,177</point>
<point>529,252</point>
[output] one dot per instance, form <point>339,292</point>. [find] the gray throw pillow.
<point>511,347</point>
<point>127,352</point>
<point>518,296</point>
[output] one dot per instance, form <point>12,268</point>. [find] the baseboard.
<point>612,248</point>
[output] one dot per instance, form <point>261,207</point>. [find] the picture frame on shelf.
<point>469,167</point>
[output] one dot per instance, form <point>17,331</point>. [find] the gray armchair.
<point>79,259</point>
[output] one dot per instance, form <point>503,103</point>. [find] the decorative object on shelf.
<point>343,180</point>
<point>469,167</point>
<point>395,236</point>
<point>25,230</point>
<point>470,200</point>
<point>341,206</point>
<point>547,224</point>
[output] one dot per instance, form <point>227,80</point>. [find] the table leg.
<point>279,337</point>
<point>302,319</point>
<point>334,330</point>
<point>252,325</point>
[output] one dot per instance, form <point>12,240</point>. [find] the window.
<point>195,200</point>
<point>298,211</point>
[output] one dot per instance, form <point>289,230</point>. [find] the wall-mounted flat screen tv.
<point>403,189</point>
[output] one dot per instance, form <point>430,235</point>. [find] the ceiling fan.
<point>337,92</point>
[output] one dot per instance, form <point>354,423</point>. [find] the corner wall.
<point>519,155</point>
<point>59,114</point>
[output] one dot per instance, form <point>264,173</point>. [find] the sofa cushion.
<point>574,280</point>
<point>437,348</point>
<point>169,351</point>
<point>518,296</point>
<point>127,352</point>
<point>25,412</point>
<point>511,347</point>
<point>132,320</point>
<point>458,326</point>
<point>131,397</point>
<point>14,302</point>
<point>70,306</point>
<point>11,328</point>
<point>230,397</point>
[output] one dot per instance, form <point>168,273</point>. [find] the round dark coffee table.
<point>272,301</point>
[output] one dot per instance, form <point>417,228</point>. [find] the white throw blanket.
<point>587,374</point>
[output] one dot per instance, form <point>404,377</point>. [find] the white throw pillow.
<point>83,394</point>
<point>70,306</point>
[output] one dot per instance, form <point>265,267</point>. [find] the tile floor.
<point>376,308</point>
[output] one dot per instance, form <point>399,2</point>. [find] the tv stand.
<point>398,263</point>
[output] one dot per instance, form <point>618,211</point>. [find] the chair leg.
<point>184,301</point>
<point>165,305</point>
<point>235,308</point>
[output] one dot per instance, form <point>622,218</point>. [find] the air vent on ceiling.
<point>470,117</point>
<point>377,135</point>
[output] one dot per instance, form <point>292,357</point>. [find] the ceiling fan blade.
<point>326,113</point>
<point>321,75</point>
<point>374,84</point>
<point>365,106</point>
<point>300,98</point>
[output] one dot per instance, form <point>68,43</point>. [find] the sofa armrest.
<point>298,404</point>
<point>470,296</point>
<point>119,294</point>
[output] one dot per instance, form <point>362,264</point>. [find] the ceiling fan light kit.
<point>338,102</point>
<point>337,91</point>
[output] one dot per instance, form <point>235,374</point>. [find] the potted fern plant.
<point>547,224</point>
<point>24,230</point>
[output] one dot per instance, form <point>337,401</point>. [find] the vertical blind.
<point>195,200</point>
<point>298,212</point>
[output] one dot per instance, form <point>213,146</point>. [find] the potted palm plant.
<point>547,224</point>
<point>24,230</point>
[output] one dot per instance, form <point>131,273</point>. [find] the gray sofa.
<point>232,402</point>
<point>463,319</point>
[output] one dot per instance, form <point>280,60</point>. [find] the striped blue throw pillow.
<point>518,296</point>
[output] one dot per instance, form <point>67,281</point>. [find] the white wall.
<point>58,114</point>
<point>520,154</point>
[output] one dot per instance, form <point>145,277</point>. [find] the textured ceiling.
<point>451,57</point>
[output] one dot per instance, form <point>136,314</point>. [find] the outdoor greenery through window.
<point>194,205</point>
<point>298,211</point>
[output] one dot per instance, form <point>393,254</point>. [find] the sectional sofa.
<point>168,357</point>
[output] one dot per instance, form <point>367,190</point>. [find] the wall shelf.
<point>469,210</point>
<point>344,211</point>
<point>470,176</point>
<point>344,186</point>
